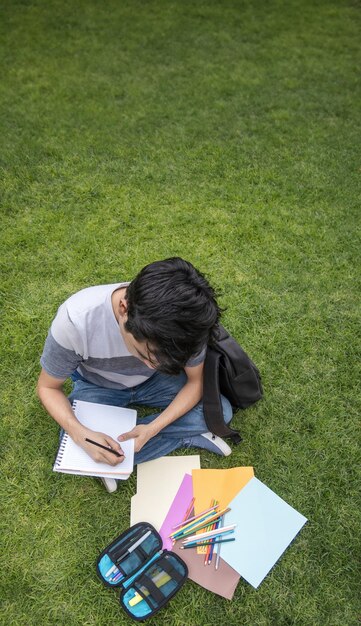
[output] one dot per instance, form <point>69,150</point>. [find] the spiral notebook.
<point>111,420</point>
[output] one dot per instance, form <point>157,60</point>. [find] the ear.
<point>123,308</point>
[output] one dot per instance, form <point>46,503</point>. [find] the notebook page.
<point>110,420</point>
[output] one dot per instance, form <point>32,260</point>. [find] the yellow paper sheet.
<point>219,484</point>
<point>157,484</point>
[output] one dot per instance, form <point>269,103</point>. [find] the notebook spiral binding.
<point>59,456</point>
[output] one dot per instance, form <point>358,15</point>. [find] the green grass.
<point>226,132</point>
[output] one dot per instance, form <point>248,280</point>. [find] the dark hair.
<point>173,308</point>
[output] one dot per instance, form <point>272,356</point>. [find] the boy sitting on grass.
<point>143,343</point>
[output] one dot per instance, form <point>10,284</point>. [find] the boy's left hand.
<point>141,434</point>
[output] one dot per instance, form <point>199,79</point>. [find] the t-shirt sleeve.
<point>58,361</point>
<point>62,350</point>
<point>197,359</point>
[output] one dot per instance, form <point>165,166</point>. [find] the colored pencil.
<point>189,510</point>
<point>211,549</point>
<point>195,517</point>
<point>207,519</point>
<point>211,533</point>
<point>200,526</point>
<point>208,543</point>
<point>221,525</point>
<point>208,535</point>
<point>205,550</point>
<point>211,527</point>
<point>193,522</point>
<point>192,525</point>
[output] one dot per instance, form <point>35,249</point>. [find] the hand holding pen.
<point>102,448</point>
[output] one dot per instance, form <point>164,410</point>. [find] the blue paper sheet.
<point>266,525</point>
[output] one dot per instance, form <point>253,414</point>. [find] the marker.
<point>100,445</point>
<point>111,570</point>
<point>159,580</point>
<point>117,577</point>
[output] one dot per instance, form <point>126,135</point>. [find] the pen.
<point>100,445</point>
<point>131,548</point>
<point>114,551</point>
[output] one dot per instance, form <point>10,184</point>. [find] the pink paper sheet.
<point>222,581</point>
<point>177,510</point>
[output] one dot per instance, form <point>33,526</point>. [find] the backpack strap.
<point>212,406</point>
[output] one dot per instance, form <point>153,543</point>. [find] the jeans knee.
<point>227,409</point>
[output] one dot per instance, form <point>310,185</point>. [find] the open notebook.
<point>111,420</point>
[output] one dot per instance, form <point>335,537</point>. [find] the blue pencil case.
<point>147,575</point>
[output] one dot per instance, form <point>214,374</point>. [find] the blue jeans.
<point>158,391</point>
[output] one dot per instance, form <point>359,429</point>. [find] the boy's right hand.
<point>95,452</point>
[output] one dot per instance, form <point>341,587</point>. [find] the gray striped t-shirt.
<point>85,336</point>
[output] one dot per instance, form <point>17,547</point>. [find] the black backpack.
<point>230,371</point>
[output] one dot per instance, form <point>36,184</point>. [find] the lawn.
<point>226,132</point>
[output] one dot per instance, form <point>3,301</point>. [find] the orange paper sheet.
<point>220,484</point>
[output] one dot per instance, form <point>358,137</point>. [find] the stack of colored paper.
<point>263,524</point>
